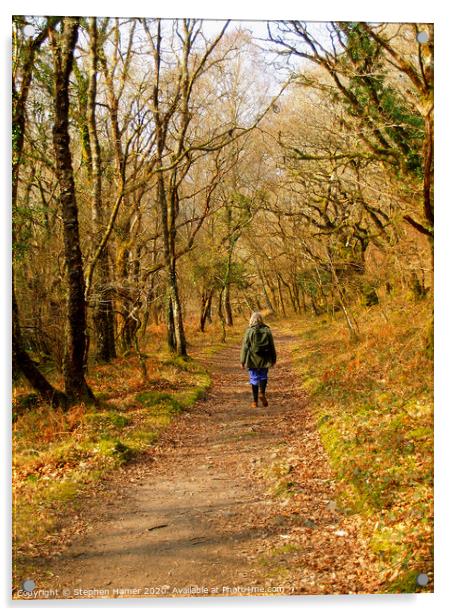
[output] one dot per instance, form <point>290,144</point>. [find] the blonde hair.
<point>256,319</point>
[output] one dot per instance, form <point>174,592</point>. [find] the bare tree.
<point>394,115</point>
<point>63,45</point>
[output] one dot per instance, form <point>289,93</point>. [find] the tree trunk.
<point>264,288</point>
<point>288,287</point>
<point>172,292</point>
<point>274,295</point>
<point>167,205</point>
<point>170,328</point>
<point>296,295</point>
<point>202,313</point>
<point>314,306</point>
<point>227,305</point>
<point>303,299</point>
<point>103,318</point>
<point>350,320</point>
<point>173,207</point>
<point>175,325</point>
<point>103,309</point>
<point>75,335</point>
<point>180,346</point>
<point>209,310</point>
<point>227,283</point>
<point>206,304</point>
<point>221,315</point>
<point>206,312</point>
<point>281,298</point>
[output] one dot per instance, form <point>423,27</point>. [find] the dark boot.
<point>263,387</point>
<point>255,403</point>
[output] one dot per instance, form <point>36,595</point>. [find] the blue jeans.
<point>257,375</point>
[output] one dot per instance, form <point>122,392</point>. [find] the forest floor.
<point>230,500</point>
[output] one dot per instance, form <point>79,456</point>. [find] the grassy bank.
<point>373,402</point>
<point>58,457</point>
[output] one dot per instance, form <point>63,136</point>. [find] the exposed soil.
<point>231,501</point>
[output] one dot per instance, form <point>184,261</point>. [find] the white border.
<point>436,11</point>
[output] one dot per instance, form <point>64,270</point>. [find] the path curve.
<point>232,501</point>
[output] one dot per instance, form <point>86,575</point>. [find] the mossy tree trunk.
<point>74,367</point>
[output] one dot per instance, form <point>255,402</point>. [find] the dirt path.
<point>234,501</point>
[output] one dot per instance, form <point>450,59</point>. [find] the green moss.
<point>122,451</point>
<point>423,433</point>
<point>186,364</point>
<point>114,448</point>
<point>190,397</point>
<point>385,542</point>
<point>287,548</point>
<point>405,583</point>
<point>103,422</point>
<point>141,439</point>
<point>154,398</point>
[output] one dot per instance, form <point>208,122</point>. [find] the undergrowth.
<point>373,401</point>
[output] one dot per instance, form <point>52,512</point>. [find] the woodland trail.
<point>231,501</point>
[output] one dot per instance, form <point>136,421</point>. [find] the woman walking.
<point>258,354</point>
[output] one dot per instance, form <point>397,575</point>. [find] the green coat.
<point>249,358</point>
